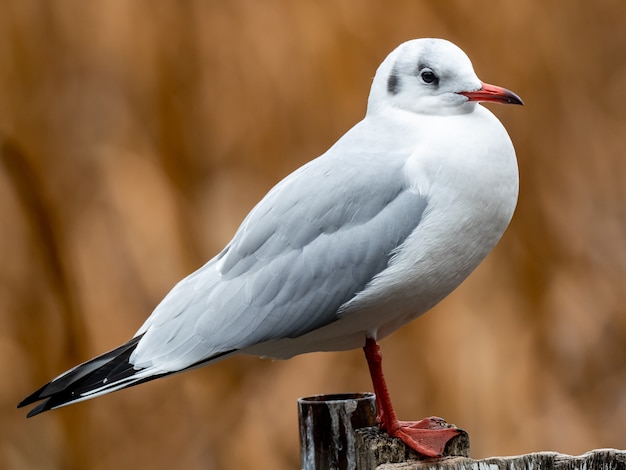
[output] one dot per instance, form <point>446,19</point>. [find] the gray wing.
<point>315,240</point>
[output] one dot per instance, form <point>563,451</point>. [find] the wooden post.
<point>327,426</point>
<point>376,447</point>
<point>338,432</point>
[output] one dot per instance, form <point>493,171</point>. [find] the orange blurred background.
<point>135,136</point>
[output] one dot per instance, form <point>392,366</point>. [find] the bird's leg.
<point>428,436</point>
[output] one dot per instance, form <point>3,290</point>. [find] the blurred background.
<point>135,136</point>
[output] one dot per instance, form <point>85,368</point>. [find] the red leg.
<point>428,436</point>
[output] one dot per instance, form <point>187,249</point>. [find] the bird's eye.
<point>428,76</point>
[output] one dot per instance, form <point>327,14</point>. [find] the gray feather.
<point>315,241</point>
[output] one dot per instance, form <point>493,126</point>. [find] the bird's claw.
<point>427,437</point>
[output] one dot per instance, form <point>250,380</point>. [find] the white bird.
<point>346,249</point>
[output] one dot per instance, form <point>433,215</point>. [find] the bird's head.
<point>432,76</point>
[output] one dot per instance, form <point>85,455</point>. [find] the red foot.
<point>428,436</point>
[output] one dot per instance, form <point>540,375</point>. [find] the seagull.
<point>346,249</point>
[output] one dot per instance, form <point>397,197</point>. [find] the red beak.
<point>494,94</point>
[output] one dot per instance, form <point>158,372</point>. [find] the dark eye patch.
<point>393,83</point>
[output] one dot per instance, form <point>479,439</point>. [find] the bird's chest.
<point>470,202</point>
<point>471,198</point>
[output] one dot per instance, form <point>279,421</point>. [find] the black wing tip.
<point>49,402</point>
<point>33,397</point>
<point>26,401</point>
<point>113,366</point>
<point>38,409</point>
<point>68,387</point>
<point>46,405</point>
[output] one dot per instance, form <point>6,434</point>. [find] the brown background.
<point>136,136</point>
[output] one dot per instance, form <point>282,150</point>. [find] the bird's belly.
<point>423,281</point>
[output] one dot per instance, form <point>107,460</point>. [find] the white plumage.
<point>354,244</point>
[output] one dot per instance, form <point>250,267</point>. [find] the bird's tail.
<point>104,374</point>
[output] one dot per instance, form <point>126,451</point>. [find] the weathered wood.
<point>327,429</point>
<point>336,436</point>
<point>339,432</point>
<point>377,451</point>
<point>375,447</point>
<point>599,459</point>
